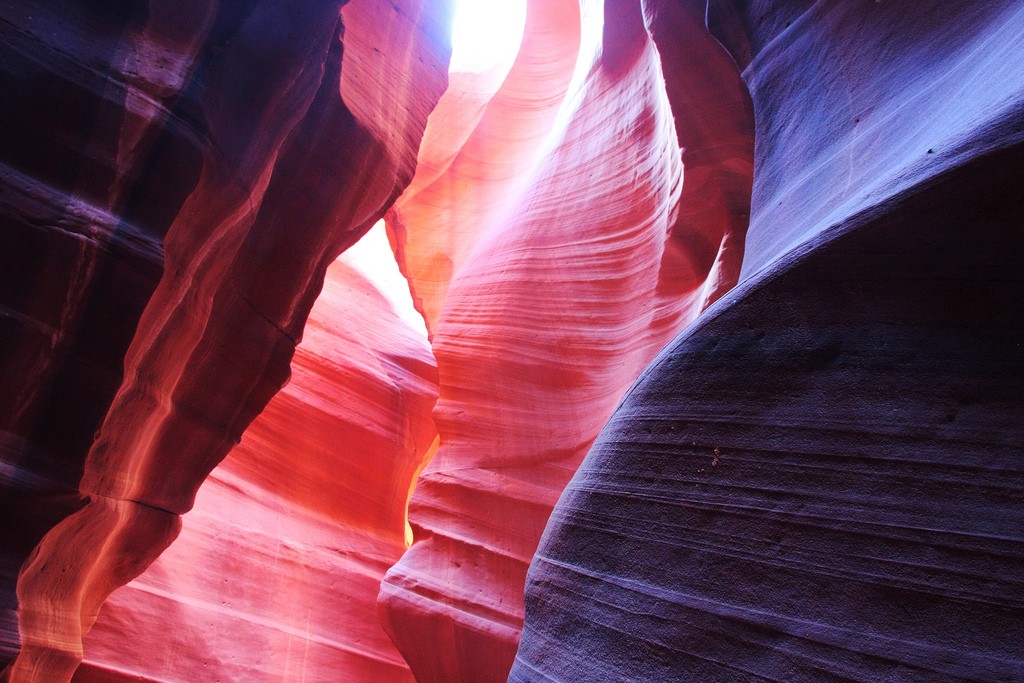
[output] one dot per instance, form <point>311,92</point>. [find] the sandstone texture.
<point>816,481</point>
<point>721,376</point>
<point>280,560</point>
<point>843,512</point>
<point>572,247</point>
<point>180,177</point>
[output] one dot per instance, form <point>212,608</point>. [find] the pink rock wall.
<point>276,572</point>
<point>566,265</point>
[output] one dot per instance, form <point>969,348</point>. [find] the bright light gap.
<point>486,34</point>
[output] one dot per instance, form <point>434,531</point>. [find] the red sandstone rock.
<point>554,242</point>
<point>567,265</point>
<point>272,175</point>
<point>480,152</point>
<point>276,574</point>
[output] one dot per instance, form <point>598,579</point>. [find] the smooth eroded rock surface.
<point>818,481</point>
<point>182,175</point>
<point>276,573</point>
<point>554,254</point>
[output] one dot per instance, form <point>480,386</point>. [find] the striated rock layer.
<point>848,510</point>
<point>276,572</point>
<point>817,480</point>
<point>185,172</point>
<point>554,245</point>
<point>820,480</point>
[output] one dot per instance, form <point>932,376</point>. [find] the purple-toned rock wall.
<point>821,479</point>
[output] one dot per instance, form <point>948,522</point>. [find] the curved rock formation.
<point>280,561</point>
<point>856,104</point>
<point>245,107</point>
<point>847,510</point>
<point>571,250</point>
<point>818,480</point>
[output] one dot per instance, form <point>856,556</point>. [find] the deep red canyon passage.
<point>722,377</point>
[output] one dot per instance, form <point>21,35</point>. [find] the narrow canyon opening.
<point>485,36</point>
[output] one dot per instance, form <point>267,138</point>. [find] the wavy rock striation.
<point>276,573</point>
<point>180,135</point>
<point>844,512</point>
<point>817,481</point>
<point>571,248</point>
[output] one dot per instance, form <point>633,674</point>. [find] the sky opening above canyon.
<point>486,34</point>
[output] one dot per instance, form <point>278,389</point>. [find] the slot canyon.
<point>611,341</point>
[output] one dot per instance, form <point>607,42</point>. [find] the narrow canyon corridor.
<point>462,341</point>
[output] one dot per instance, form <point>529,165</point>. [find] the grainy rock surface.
<point>817,482</point>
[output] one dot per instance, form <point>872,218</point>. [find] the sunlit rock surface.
<point>276,573</point>
<point>820,480</point>
<point>180,175</point>
<point>554,253</point>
